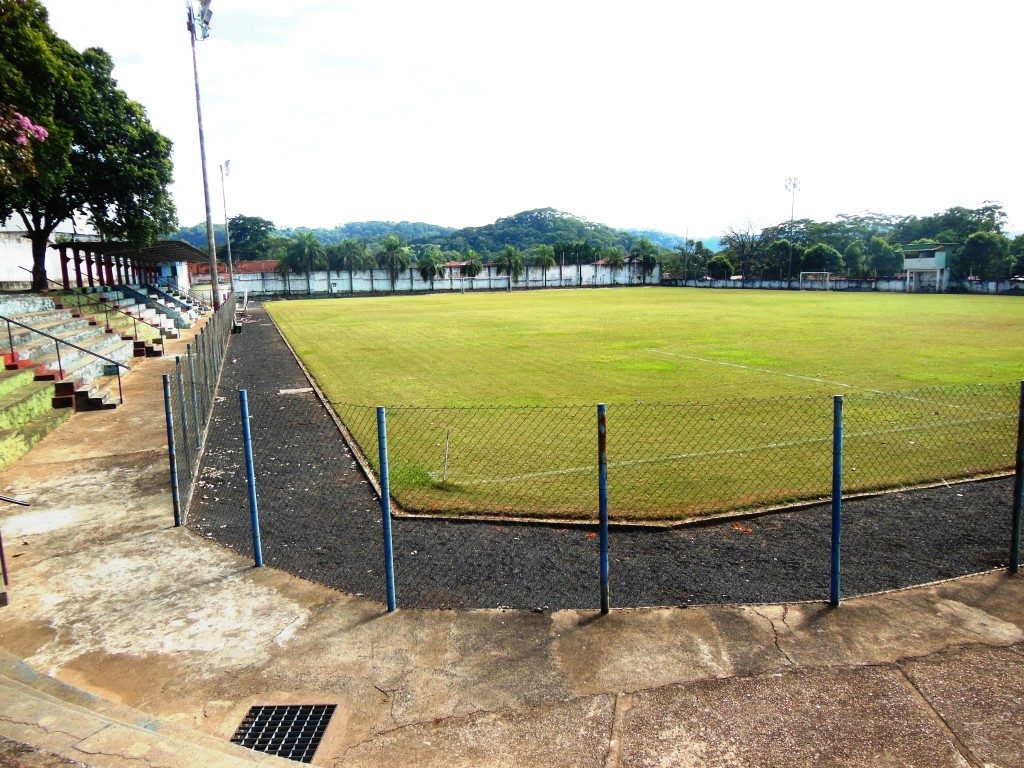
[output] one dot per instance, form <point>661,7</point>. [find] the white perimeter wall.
<point>378,280</point>
<point>15,252</point>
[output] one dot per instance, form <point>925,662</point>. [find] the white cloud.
<point>685,117</point>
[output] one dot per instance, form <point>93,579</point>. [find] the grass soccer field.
<point>506,383</point>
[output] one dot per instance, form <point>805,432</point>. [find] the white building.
<point>927,267</point>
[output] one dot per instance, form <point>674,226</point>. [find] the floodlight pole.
<point>210,240</point>
<point>792,185</point>
<point>227,229</point>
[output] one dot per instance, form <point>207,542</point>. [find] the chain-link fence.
<point>673,462</point>
<point>322,519</point>
<point>189,393</point>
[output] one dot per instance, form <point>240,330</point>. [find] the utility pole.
<point>225,170</point>
<point>792,185</point>
<point>201,25</point>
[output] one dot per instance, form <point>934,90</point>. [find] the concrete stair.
<point>135,321</point>
<point>53,718</point>
<point>27,414</point>
<point>137,300</point>
<point>39,389</point>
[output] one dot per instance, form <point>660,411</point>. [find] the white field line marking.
<point>724,451</point>
<point>816,379</point>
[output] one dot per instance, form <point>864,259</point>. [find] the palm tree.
<point>510,262</point>
<point>284,269</point>
<point>645,254</point>
<point>544,259</point>
<point>349,254</point>
<point>306,253</point>
<point>393,257</point>
<point>474,264</point>
<point>615,258</point>
<point>430,264</point>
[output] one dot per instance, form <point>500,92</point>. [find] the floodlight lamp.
<point>206,14</point>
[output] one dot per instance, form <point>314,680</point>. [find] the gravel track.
<point>320,520</point>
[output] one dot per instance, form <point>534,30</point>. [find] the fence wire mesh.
<point>320,518</point>
<point>193,384</point>
<point>930,435</point>
<point>678,461</point>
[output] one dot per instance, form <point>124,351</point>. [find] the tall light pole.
<point>224,171</point>
<point>200,26</point>
<point>792,185</point>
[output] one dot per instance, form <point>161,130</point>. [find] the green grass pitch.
<point>481,364</point>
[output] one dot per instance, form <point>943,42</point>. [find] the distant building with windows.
<point>927,267</point>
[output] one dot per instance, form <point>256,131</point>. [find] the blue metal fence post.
<point>1018,487</point>
<point>171,453</point>
<point>250,473</point>
<point>602,471</point>
<point>385,506</point>
<point>837,496</point>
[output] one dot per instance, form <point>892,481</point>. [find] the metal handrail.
<point>174,290</point>
<point>106,310</point>
<point>57,342</point>
<point>3,560</point>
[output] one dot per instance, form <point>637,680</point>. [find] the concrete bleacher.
<point>100,330</point>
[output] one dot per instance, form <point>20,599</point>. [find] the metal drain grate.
<point>293,731</point>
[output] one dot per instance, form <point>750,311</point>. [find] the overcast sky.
<point>680,116</point>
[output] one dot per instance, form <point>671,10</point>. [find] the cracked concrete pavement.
<point>107,596</point>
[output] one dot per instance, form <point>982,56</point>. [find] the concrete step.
<point>39,346</point>
<point>12,380</point>
<point>36,319</point>
<point>20,303</point>
<point>24,337</point>
<point>86,368</point>
<point>15,443</point>
<point>18,677</point>
<point>129,323</point>
<point>25,404</point>
<point>102,343</point>
<point>99,740</point>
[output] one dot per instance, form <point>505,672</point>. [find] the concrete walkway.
<point>178,637</point>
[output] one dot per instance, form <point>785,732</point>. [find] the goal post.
<point>815,281</point>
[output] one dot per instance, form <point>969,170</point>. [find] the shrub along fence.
<point>188,402</point>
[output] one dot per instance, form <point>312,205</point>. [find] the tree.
<point>1017,256</point>
<point>854,258</point>
<point>543,259</point>
<point>102,157</point>
<point>882,258</point>
<point>780,256</point>
<point>744,249</point>
<point>474,264</point>
<point>430,263</point>
<point>719,267</point>
<point>510,262</point>
<point>305,253</point>
<point>350,255</point>
<point>615,258</point>
<point>693,258</point>
<point>250,237</point>
<point>821,257</point>
<point>986,255</point>
<point>954,225</point>
<point>394,258</point>
<point>645,255</point>
<point>18,136</point>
